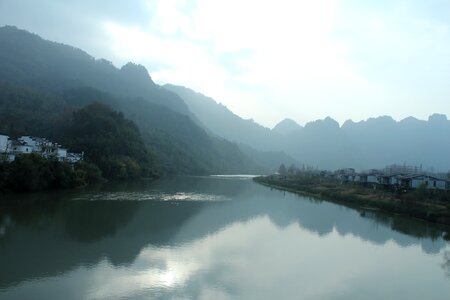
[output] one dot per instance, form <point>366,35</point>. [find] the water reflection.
<point>446,263</point>
<point>208,238</point>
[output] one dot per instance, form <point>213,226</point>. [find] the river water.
<point>213,238</point>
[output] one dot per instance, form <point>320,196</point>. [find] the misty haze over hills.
<point>373,143</point>
<point>169,129</point>
<point>190,133</point>
<point>72,79</point>
<point>223,122</point>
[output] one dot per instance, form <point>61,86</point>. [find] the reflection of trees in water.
<point>374,226</point>
<point>406,225</point>
<point>72,233</point>
<point>26,210</point>
<point>446,263</point>
<point>84,232</point>
<point>89,221</point>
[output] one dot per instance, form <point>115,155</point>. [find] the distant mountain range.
<point>373,143</point>
<point>190,133</point>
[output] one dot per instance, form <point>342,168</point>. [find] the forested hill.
<point>45,82</point>
<point>223,122</point>
<point>26,58</point>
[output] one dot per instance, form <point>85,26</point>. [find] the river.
<point>212,238</point>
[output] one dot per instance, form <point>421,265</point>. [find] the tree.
<point>110,141</point>
<point>292,169</point>
<point>282,170</point>
<point>421,192</point>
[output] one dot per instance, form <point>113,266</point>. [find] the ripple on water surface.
<point>152,196</point>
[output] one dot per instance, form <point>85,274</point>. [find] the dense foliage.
<point>26,111</point>
<point>109,140</point>
<point>32,172</point>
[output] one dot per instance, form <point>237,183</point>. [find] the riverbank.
<point>432,206</point>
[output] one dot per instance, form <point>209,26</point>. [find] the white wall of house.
<point>3,143</point>
<point>393,180</point>
<point>22,149</point>
<point>372,179</point>
<point>435,183</point>
<point>416,182</point>
<point>431,183</point>
<point>61,153</point>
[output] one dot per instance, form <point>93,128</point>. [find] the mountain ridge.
<point>326,144</point>
<point>166,124</point>
<point>27,59</point>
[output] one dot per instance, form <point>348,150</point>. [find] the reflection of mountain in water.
<point>44,238</point>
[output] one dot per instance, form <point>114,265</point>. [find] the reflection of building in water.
<point>29,144</point>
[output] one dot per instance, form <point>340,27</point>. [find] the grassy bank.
<point>429,205</point>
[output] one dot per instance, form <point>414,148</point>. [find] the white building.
<point>18,147</point>
<point>372,178</point>
<point>429,181</point>
<point>74,157</point>
<point>61,154</point>
<point>29,144</point>
<point>4,143</point>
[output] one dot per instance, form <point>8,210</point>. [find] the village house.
<point>29,144</point>
<point>430,182</point>
<point>373,178</point>
<point>345,175</point>
<point>396,176</point>
<point>388,179</point>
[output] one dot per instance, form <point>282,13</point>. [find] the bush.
<point>32,172</point>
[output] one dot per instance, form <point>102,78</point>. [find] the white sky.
<point>269,60</point>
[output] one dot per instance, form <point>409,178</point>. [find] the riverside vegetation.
<point>114,151</point>
<point>421,203</point>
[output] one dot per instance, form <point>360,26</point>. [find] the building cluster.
<point>10,148</point>
<point>395,176</point>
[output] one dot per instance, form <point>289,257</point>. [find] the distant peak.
<point>437,118</point>
<point>13,30</point>
<point>9,27</point>
<point>136,72</point>
<point>287,121</point>
<point>348,123</point>
<point>327,122</point>
<point>409,120</point>
<point>132,67</point>
<point>331,120</point>
<point>385,118</point>
<point>287,126</point>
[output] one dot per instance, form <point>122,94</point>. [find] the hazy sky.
<point>268,60</point>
